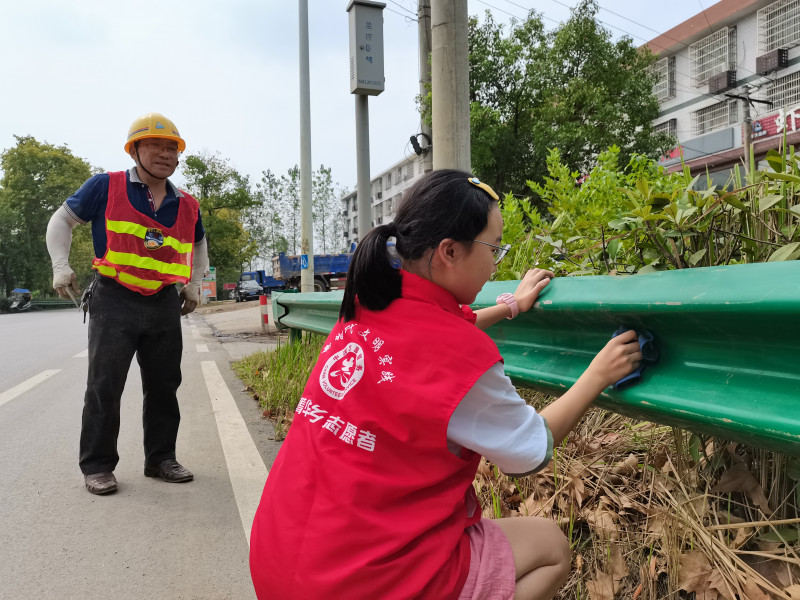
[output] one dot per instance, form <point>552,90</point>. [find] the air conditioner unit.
<point>772,61</point>
<point>722,82</point>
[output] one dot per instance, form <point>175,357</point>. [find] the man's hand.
<point>190,296</point>
<point>64,278</point>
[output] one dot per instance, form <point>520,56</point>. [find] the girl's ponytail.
<point>371,276</point>
<point>440,204</point>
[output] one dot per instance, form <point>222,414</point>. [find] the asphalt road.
<point>151,539</point>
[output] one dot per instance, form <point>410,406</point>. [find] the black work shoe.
<point>169,470</point>
<point>101,483</point>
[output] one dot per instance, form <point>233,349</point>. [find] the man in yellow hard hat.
<point>148,238</point>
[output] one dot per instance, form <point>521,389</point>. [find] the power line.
<point>403,7</point>
<point>406,17</point>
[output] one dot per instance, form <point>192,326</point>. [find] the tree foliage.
<point>640,219</point>
<point>274,222</point>
<point>572,88</point>
<point>224,196</point>
<point>37,178</point>
<point>327,207</point>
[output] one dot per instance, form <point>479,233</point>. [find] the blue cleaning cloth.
<point>649,357</point>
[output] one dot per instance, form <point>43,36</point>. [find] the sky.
<point>77,73</point>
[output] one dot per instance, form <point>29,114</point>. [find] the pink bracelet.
<point>509,300</point>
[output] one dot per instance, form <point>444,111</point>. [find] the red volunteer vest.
<point>141,253</point>
<point>364,499</point>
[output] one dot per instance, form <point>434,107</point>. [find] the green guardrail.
<point>49,303</point>
<point>728,341</point>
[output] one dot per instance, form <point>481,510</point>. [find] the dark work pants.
<point>123,322</point>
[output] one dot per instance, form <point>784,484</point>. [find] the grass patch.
<point>277,378</point>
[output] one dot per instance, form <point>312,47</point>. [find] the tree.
<point>573,89</point>
<point>224,196</point>
<point>37,178</point>
<point>327,205</point>
<point>263,221</point>
<point>274,223</point>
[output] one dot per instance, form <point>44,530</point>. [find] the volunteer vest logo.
<point>153,239</point>
<point>342,371</point>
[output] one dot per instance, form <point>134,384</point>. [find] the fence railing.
<point>728,341</point>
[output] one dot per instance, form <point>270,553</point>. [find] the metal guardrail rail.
<point>728,341</point>
<point>48,303</point>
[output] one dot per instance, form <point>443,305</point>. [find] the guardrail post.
<point>295,335</point>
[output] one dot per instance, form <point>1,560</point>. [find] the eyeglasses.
<point>499,251</point>
<point>160,147</point>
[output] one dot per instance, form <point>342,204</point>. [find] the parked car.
<point>247,290</point>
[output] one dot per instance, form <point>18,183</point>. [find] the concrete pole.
<point>306,219</point>
<point>362,166</point>
<point>450,79</point>
<point>424,28</point>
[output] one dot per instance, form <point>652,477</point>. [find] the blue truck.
<point>330,272</point>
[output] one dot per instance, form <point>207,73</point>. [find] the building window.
<point>409,171</point>
<point>669,127</point>
<point>664,87</point>
<point>355,204</point>
<point>785,91</point>
<point>779,25</point>
<point>714,54</point>
<point>715,117</point>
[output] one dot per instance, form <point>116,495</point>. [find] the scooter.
<point>20,300</point>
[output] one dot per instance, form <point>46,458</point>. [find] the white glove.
<point>190,296</point>
<point>64,277</point>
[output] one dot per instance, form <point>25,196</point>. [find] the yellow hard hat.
<point>153,125</point>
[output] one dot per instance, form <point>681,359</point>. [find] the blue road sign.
<point>304,261</point>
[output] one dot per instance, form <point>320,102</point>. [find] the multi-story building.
<point>386,190</point>
<point>738,60</point>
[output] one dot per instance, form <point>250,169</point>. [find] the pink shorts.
<point>492,575</point>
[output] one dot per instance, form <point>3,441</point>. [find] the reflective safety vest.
<point>141,253</point>
<point>365,499</point>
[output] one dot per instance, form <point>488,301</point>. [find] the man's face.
<point>159,156</point>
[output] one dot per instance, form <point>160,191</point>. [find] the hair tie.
<point>485,187</point>
<point>391,229</point>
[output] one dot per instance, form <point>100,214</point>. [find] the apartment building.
<point>738,60</point>
<point>386,190</point>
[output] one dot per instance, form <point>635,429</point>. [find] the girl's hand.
<point>620,357</point>
<point>534,281</point>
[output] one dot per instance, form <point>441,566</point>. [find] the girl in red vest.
<point>371,494</point>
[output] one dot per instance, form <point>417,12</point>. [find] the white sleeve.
<point>59,238</point>
<point>493,420</point>
<point>199,261</point>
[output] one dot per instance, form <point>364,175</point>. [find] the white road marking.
<point>82,354</point>
<point>196,334</point>
<point>201,348</point>
<point>245,467</point>
<point>26,385</point>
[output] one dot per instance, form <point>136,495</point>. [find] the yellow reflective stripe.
<point>145,262</point>
<point>147,284</point>
<point>107,271</point>
<point>139,231</point>
<point>142,283</point>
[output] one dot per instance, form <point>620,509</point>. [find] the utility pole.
<point>366,79</point>
<point>747,125</point>
<point>450,84</point>
<point>424,28</point>
<point>306,214</point>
